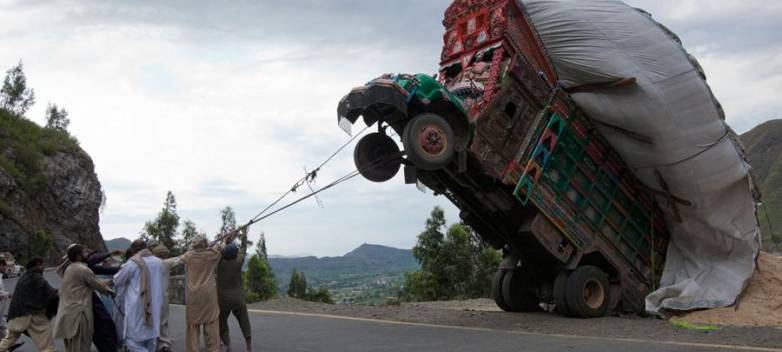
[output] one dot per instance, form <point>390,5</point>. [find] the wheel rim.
<point>433,140</point>
<point>594,294</point>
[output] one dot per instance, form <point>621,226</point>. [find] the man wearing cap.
<point>104,331</point>
<point>74,314</point>
<point>164,341</point>
<point>202,311</point>
<point>28,309</point>
<point>140,285</point>
<point>230,292</point>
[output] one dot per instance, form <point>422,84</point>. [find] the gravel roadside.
<point>482,314</point>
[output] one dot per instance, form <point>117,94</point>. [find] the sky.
<point>229,102</point>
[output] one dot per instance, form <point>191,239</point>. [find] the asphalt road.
<point>284,331</point>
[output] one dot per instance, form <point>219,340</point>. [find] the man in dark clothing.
<point>105,336</point>
<point>230,292</point>
<point>32,296</point>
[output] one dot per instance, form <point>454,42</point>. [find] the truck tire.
<point>519,291</point>
<point>560,294</point>
<point>429,141</point>
<point>374,157</point>
<point>588,293</point>
<point>496,289</point>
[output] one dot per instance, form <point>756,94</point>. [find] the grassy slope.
<point>764,146</point>
<point>23,146</point>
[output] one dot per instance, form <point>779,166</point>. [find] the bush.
<point>322,295</point>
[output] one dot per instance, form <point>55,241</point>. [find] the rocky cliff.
<point>50,195</point>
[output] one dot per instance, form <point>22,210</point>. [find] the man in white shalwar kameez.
<point>140,283</point>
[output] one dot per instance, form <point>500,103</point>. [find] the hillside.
<point>118,244</point>
<point>50,196</point>
<point>764,147</point>
<point>367,274</point>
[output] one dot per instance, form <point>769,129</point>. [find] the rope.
<point>301,199</point>
<point>309,176</point>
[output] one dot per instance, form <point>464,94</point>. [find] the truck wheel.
<point>375,157</point>
<point>560,291</point>
<point>496,289</point>
<point>518,291</point>
<point>429,141</point>
<point>588,294</point>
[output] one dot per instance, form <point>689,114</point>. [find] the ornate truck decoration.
<point>495,134</point>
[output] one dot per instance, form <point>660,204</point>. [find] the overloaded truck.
<point>496,135</point>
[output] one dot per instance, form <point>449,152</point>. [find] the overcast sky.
<point>227,102</point>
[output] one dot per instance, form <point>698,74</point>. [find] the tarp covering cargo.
<point>670,130</point>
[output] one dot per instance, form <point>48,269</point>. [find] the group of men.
<point>133,311</point>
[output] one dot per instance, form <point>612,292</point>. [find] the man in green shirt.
<point>230,291</point>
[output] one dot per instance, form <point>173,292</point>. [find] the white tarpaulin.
<point>692,153</point>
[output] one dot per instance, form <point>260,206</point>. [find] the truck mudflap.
<point>382,99</point>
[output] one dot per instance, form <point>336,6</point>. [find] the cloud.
<point>226,103</point>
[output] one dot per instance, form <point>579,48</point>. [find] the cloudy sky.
<point>227,102</point>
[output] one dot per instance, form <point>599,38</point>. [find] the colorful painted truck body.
<point>496,135</point>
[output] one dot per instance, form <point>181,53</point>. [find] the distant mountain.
<point>118,243</point>
<point>764,146</point>
<point>366,268</point>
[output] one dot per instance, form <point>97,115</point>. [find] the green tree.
<point>488,261</point>
<point>458,260</point>
<point>260,247</point>
<point>321,295</point>
<point>453,265</point>
<point>260,282</point>
<point>189,231</point>
<point>14,95</point>
<point>297,287</point>
<point>228,218</point>
<point>164,227</point>
<point>57,118</point>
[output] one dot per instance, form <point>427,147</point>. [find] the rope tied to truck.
<point>307,180</point>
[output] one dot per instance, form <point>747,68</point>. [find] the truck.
<point>497,135</point>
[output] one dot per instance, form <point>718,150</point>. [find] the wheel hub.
<point>594,294</point>
<point>433,140</point>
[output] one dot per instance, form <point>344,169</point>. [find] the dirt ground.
<point>760,305</point>
<point>483,314</point>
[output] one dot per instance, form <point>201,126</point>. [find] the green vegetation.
<point>57,118</point>
<point>454,265</point>
<point>370,274</point>
<point>297,287</point>
<point>228,218</point>
<point>39,246</point>
<point>321,295</point>
<point>164,228</point>
<point>24,145</point>
<point>690,326</point>
<point>259,281</point>
<point>14,94</point>
<point>764,148</point>
<point>189,233</point>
